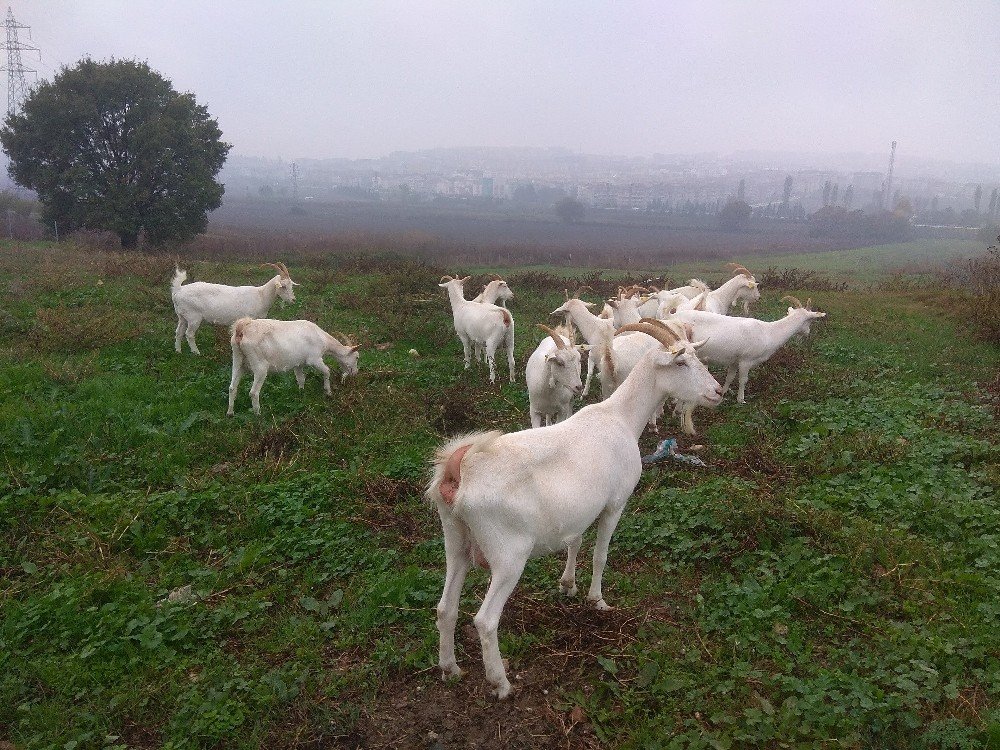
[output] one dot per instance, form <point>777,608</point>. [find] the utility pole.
<point>17,89</point>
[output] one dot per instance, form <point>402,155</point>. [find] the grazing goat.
<point>743,343</point>
<point>504,498</point>
<point>264,346</point>
<point>553,377</point>
<point>480,323</point>
<point>201,302</point>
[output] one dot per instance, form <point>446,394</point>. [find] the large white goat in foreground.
<point>264,346</point>
<point>505,498</point>
<point>553,377</point>
<point>480,323</point>
<point>201,302</point>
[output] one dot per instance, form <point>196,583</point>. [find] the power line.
<point>17,89</point>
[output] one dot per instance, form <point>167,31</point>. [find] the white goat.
<point>662,300</point>
<point>693,289</point>
<point>596,331</point>
<point>626,308</point>
<point>720,300</point>
<point>743,343</point>
<point>201,302</point>
<point>497,289</point>
<point>505,498</point>
<point>553,377</point>
<point>264,346</point>
<point>480,323</point>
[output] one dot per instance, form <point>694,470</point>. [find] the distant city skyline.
<point>338,79</point>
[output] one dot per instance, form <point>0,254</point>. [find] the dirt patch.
<point>272,446</point>
<point>455,411</point>
<point>394,506</point>
<point>415,711</point>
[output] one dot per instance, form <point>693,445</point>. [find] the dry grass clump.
<point>976,292</point>
<point>798,278</point>
<point>81,328</point>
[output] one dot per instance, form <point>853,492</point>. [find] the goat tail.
<point>239,328</point>
<point>180,276</point>
<point>446,466</point>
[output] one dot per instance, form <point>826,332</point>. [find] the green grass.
<point>829,581</point>
<point>857,266</point>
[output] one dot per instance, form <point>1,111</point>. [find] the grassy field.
<point>859,267</point>
<point>830,580</point>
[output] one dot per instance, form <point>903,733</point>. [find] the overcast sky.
<point>357,78</point>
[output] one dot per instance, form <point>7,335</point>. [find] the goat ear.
<point>613,303</point>
<point>355,348</point>
<point>465,279</point>
<point>820,314</point>
<point>558,310</point>
<point>699,344</point>
<point>588,304</point>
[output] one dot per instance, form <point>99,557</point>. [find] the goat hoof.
<point>568,591</point>
<point>503,690</point>
<point>602,605</point>
<point>452,672</point>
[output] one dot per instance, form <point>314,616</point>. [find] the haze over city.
<point>326,80</point>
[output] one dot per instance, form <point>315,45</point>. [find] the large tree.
<point>112,145</point>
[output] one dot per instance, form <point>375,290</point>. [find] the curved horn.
<point>283,269</point>
<point>560,344</point>
<point>737,268</point>
<point>581,288</point>
<point>446,279</point>
<point>566,292</point>
<point>809,303</point>
<point>794,300</point>
<point>272,265</point>
<point>495,277</point>
<point>664,335</point>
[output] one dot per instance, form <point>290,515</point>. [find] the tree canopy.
<point>570,210</point>
<point>112,146</point>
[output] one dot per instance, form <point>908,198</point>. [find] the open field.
<point>830,580</point>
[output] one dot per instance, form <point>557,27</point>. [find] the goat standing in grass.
<point>201,302</point>
<point>552,375</point>
<point>264,346</point>
<point>481,324</point>
<point>505,498</point>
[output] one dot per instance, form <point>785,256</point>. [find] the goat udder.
<point>452,475</point>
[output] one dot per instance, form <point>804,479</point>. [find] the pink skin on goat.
<point>449,488</point>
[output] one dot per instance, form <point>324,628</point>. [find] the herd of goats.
<point>506,497</point>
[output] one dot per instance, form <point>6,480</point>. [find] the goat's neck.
<point>268,292</point>
<point>728,291</point>
<point>491,292</point>
<point>456,296</point>
<point>591,327</point>
<point>637,398</point>
<point>779,331</point>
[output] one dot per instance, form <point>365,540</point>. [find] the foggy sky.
<point>362,79</point>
